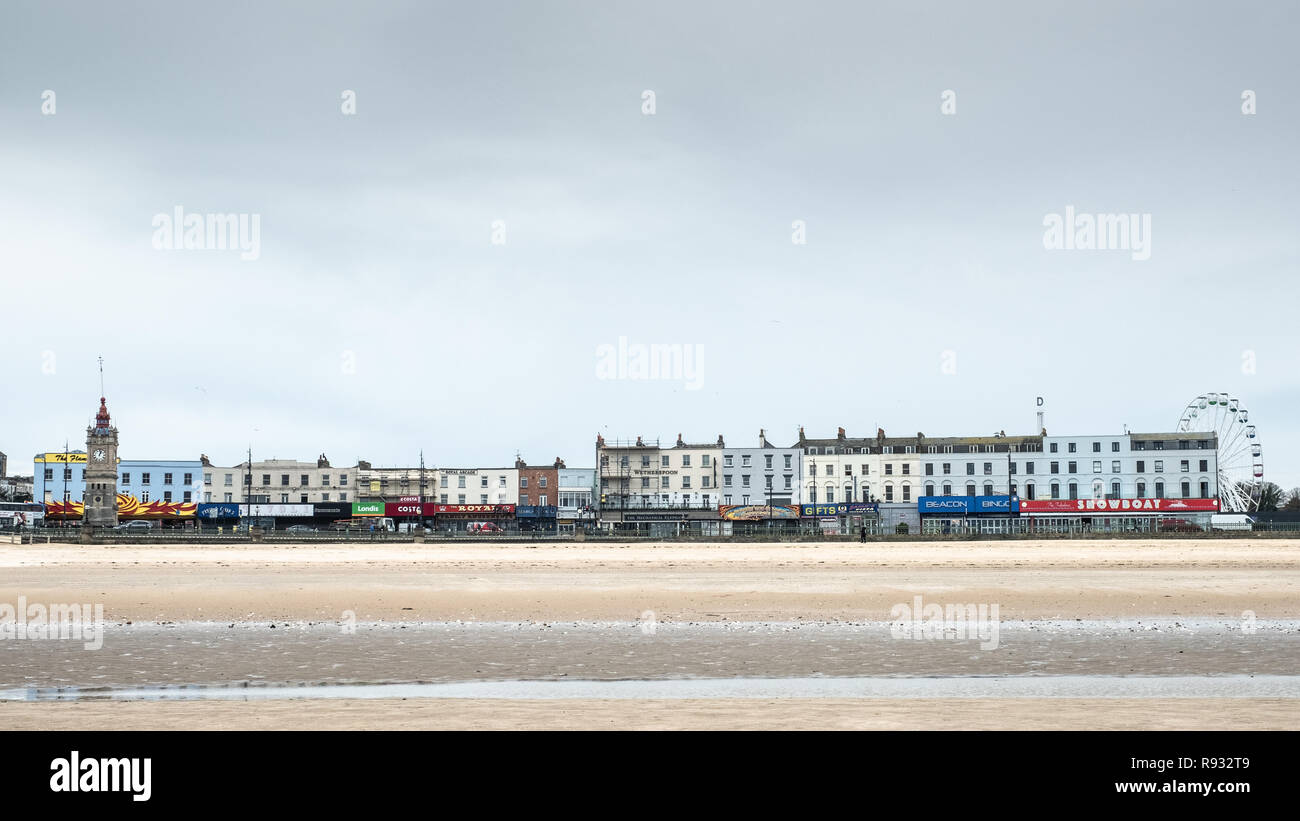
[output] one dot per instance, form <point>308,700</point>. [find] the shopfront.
<point>536,518</point>
<point>474,519</point>
<point>1119,515</point>
<point>842,519</point>
<point>969,514</point>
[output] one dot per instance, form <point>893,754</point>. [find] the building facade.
<point>765,475</point>
<point>646,487</point>
<point>279,481</point>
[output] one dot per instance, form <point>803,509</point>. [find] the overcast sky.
<point>380,318</point>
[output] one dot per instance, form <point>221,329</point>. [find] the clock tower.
<point>100,498</point>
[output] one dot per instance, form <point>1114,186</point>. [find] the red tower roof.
<point>102,418</point>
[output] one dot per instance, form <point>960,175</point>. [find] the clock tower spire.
<point>100,497</point>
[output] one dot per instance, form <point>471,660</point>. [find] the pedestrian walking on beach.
<point>862,537</point>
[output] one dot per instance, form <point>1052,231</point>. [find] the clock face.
<point>99,455</point>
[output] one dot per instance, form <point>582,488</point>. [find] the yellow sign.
<point>374,485</point>
<point>60,457</point>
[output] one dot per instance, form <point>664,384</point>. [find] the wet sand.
<point>470,612</point>
<point>703,714</point>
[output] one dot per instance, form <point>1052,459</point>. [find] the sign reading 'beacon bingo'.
<point>1119,505</point>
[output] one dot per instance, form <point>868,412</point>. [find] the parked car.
<point>1178,526</point>
<point>299,529</point>
<point>135,526</point>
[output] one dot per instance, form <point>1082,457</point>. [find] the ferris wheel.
<point>1240,457</point>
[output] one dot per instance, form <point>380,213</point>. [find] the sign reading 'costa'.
<point>1119,505</point>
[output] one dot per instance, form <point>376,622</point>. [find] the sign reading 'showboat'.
<point>1119,505</point>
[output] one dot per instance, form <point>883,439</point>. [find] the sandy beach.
<point>469,612</point>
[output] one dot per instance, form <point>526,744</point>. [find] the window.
<point>1141,466</point>
<point>324,480</point>
<point>848,470</point>
<point>523,481</point>
<point>970,468</point>
<point>1052,447</point>
<point>947,468</point>
<point>1056,490</point>
<point>1074,490</point>
<point>788,477</point>
<point>442,481</point>
<point>1029,467</point>
<point>126,477</point>
<point>929,468</point>
<point>144,496</point>
<point>830,470</point>
<point>304,480</point>
<point>1160,490</point>
<point>1158,445</point>
<point>645,460</point>
<point>144,478</point>
<point>483,481</point>
<point>460,498</point>
<point>189,478</point>
<point>929,490</point>
<point>228,497</point>
<point>663,481</point>
<point>1054,467</point>
<point>1114,447</point>
<point>284,480</point>
<point>704,461</point>
<point>167,495</point>
<point>49,475</point>
<point>866,469</point>
<point>663,461</point>
<point>889,469</point>
<point>1096,467</point>
<point>1184,465</point>
<point>645,482</point>
<point>907,468</point>
<point>726,460</point>
<point>442,498</point>
<point>970,488</point>
<point>1141,490</point>
<point>704,480</point>
<point>167,478</point>
<point>207,498</point>
<point>988,488</point>
<point>284,498</point>
<point>768,458</point>
<point>889,493</point>
<point>1114,466</point>
<point>1074,467</point>
<point>726,480</point>
<point>1205,465</point>
<point>1160,466</point>
<point>482,498</point>
<point>541,500</point>
<point>230,479</point>
<point>1205,490</point>
<point>1114,490</point>
<point>1096,447</point>
<point>1186,487</point>
<point>907,493</point>
<point>1014,467</point>
<point>744,480</point>
<point>523,499</point>
<point>988,468</point>
<point>1139,446</point>
<point>1071,447</point>
<point>686,460</point>
<point>787,461</point>
<point>325,497</point>
<point>947,489</point>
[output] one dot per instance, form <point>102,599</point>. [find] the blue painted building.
<point>177,481</point>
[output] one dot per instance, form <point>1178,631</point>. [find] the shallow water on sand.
<point>204,653</point>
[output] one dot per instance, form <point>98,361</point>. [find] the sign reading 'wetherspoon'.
<point>1119,505</point>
